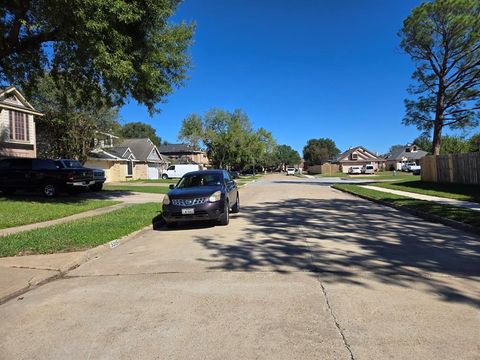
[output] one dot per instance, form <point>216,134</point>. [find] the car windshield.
<point>70,164</point>
<point>189,181</point>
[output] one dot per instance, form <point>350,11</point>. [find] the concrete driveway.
<point>304,272</point>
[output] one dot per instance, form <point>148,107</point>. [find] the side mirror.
<point>171,186</point>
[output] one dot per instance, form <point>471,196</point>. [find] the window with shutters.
<point>19,129</point>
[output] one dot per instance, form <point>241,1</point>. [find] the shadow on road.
<point>342,238</point>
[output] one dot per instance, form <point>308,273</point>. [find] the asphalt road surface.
<point>303,272</point>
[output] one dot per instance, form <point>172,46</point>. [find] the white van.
<point>178,170</point>
<point>368,169</point>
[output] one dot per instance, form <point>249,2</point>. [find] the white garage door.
<point>152,172</point>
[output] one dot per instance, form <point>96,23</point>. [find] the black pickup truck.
<point>98,174</point>
<point>42,175</point>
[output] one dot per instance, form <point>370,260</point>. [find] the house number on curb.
<point>114,244</point>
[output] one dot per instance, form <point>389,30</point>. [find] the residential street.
<point>303,272</point>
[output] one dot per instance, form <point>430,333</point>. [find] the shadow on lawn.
<point>342,238</point>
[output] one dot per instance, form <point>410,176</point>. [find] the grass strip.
<point>23,211</point>
<point>450,191</point>
<point>80,234</point>
<point>135,188</point>
<point>154,181</point>
<point>462,215</point>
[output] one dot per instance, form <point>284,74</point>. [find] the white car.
<point>355,170</point>
<point>290,171</point>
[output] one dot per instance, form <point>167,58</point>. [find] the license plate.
<point>188,211</point>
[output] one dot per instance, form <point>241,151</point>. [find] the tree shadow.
<point>158,224</point>
<point>342,239</point>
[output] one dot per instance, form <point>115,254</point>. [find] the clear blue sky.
<point>300,68</point>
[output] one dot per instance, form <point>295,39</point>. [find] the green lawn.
<point>154,181</point>
<point>463,215</point>
<point>16,212</point>
<point>80,234</point>
<point>451,191</point>
<point>380,175</point>
<point>138,188</point>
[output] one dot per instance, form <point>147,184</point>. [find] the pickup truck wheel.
<point>225,218</point>
<point>164,176</point>
<point>96,187</point>
<point>49,190</point>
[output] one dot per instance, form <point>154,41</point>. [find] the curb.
<point>430,217</point>
<point>87,255</point>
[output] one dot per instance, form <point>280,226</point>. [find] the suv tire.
<point>236,207</point>
<point>225,218</point>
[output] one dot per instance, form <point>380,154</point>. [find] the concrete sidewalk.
<point>444,201</point>
<point>19,274</point>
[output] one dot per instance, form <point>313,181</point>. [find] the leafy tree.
<point>395,148</point>
<point>454,145</point>
<point>229,138</point>
<point>128,48</point>
<point>319,151</point>
<point>474,143</point>
<point>423,142</point>
<point>70,123</point>
<point>192,130</point>
<point>136,130</point>
<point>285,154</point>
<point>443,38</point>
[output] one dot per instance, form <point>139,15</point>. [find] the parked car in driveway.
<point>98,174</point>
<point>410,166</point>
<point>201,195</point>
<point>290,171</point>
<point>355,170</point>
<point>42,174</point>
<point>367,169</point>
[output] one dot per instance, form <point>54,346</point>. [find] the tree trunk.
<point>437,138</point>
<point>438,125</point>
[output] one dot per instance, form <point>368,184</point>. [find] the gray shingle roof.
<point>349,151</point>
<point>400,153</point>
<point>176,148</point>
<point>118,151</point>
<point>141,148</point>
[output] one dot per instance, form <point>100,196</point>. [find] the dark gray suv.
<point>202,195</point>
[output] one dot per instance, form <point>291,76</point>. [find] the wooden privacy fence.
<point>326,168</point>
<point>452,168</point>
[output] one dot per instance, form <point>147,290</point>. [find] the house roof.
<point>403,152</point>
<point>19,103</point>
<point>176,148</point>
<point>118,151</point>
<point>364,154</point>
<point>141,148</point>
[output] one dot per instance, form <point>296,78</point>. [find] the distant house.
<point>359,156</point>
<point>184,154</point>
<point>130,160</point>
<point>17,125</point>
<point>403,155</point>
